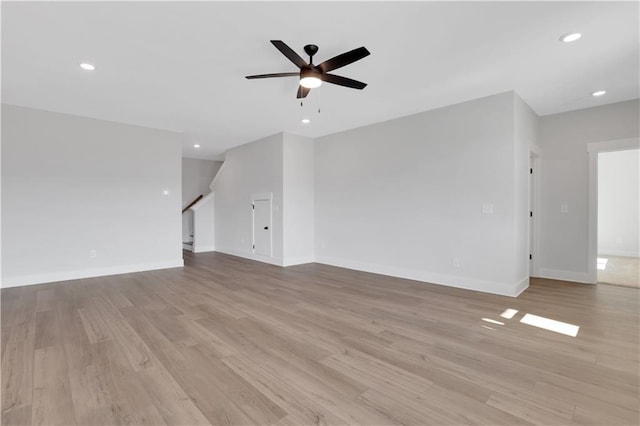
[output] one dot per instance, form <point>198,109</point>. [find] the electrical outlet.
<point>487,208</point>
<point>93,253</point>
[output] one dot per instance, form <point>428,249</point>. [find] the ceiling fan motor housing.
<point>311,49</point>
<point>311,72</point>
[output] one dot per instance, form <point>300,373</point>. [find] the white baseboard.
<point>251,256</point>
<point>88,273</point>
<point>622,253</point>
<point>291,261</point>
<point>504,289</point>
<point>522,285</point>
<point>202,249</point>
<point>557,274</point>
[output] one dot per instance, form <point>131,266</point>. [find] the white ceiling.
<point>181,66</point>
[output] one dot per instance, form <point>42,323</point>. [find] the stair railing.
<point>192,203</point>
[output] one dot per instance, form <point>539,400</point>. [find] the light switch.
<point>564,208</point>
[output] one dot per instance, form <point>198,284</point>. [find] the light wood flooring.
<point>229,341</point>
<point>619,270</point>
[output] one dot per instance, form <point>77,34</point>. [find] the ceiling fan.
<point>312,76</point>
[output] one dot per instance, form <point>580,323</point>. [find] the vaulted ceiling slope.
<point>181,65</point>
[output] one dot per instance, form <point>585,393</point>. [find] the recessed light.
<point>569,37</point>
<point>306,121</point>
<point>599,93</point>
<point>87,66</point>
<point>196,146</point>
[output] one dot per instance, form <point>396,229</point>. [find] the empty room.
<point>320,213</point>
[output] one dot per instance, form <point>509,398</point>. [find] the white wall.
<point>298,210</point>
<point>405,197</point>
<point>203,213</point>
<point>564,179</point>
<point>196,178</point>
<point>71,185</point>
<point>619,203</point>
<point>280,165</point>
<point>254,168</point>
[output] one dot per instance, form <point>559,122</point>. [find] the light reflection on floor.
<point>537,321</point>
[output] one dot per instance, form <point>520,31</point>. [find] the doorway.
<point>262,241</point>
<point>618,259</point>
<point>614,255</point>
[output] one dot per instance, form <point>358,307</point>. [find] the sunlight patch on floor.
<point>489,320</point>
<point>509,313</point>
<point>551,325</point>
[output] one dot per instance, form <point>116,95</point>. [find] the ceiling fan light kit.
<point>312,76</point>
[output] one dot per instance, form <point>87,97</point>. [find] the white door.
<point>262,227</point>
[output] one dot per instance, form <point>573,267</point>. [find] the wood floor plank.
<point>52,402</point>
<point>225,340</point>
<point>17,359</point>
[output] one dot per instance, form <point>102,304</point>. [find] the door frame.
<point>534,228</point>
<point>264,196</point>
<point>595,148</point>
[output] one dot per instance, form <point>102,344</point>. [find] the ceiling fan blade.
<point>279,74</point>
<point>344,81</point>
<point>302,92</point>
<point>344,59</point>
<point>289,53</point>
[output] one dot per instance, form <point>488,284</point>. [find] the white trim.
<point>504,289</point>
<point>88,273</point>
<point>534,163</point>
<point>534,149</point>
<point>247,255</point>
<point>271,260</point>
<point>263,196</point>
<point>521,286</point>
<point>594,148</point>
<point>622,253</point>
<point>557,274</point>
<point>614,145</point>
<point>291,261</point>
<point>199,249</point>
